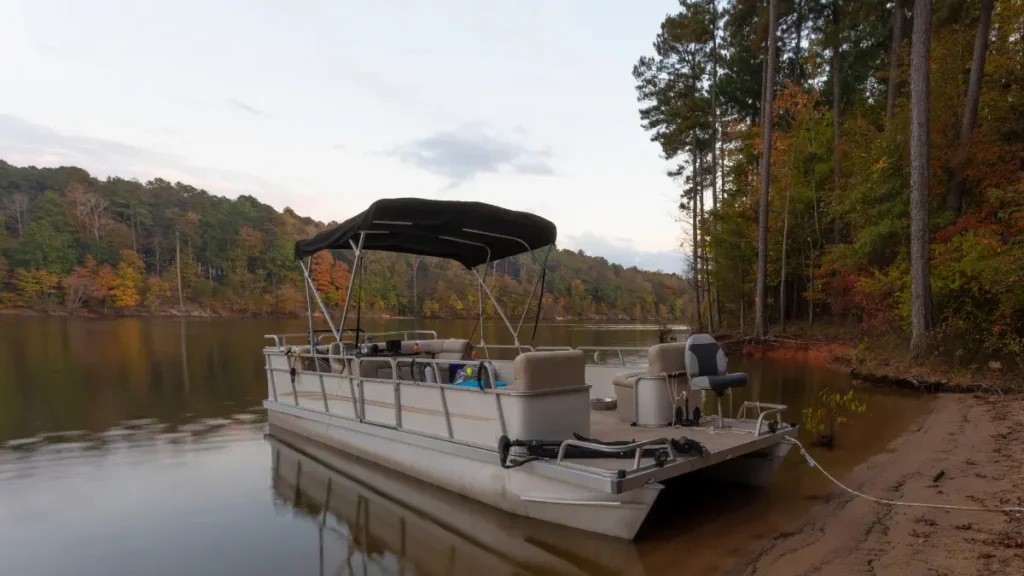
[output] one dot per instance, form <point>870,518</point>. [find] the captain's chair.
<point>706,368</point>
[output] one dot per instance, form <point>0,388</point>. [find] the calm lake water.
<point>139,446</point>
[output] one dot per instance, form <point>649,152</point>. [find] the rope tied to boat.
<point>814,464</point>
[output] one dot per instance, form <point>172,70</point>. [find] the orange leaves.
<point>82,284</point>
<point>795,101</point>
<point>124,292</point>
<point>331,278</point>
<point>157,289</point>
<point>35,285</point>
<point>320,270</point>
<point>290,300</point>
<point>106,279</point>
<point>340,277</point>
<point>132,260</point>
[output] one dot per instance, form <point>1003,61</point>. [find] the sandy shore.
<point>969,450</point>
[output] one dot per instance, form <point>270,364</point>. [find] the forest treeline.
<point>857,160</point>
<point>73,242</point>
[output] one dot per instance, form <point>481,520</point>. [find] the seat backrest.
<point>550,370</point>
<point>450,349</point>
<point>666,358</point>
<point>704,357</point>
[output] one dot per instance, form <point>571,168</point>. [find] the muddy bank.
<point>884,363</point>
<point>965,451</point>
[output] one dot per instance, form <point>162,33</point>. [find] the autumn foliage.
<point>839,194</point>
<point>67,239</point>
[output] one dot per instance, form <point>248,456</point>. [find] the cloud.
<point>621,251</point>
<point>25,143</point>
<point>243,106</point>
<point>461,154</point>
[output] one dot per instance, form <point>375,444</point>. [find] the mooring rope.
<point>814,464</point>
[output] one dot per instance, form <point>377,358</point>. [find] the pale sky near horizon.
<point>326,106</point>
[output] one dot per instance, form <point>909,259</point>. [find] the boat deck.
<point>604,425</point>
<point>737,439</point>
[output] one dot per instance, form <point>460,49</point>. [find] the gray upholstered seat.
<point>706,366</point>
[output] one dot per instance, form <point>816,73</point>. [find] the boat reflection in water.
<point>372,520</point>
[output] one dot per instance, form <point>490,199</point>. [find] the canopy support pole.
<point>358,249</point>
<point>310,286</point>
<point>515,334</point>
<point>480,316</point>
<point>309,302</point>
<point>536,282</point>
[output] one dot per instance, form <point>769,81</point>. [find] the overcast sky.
<point>325,106</point>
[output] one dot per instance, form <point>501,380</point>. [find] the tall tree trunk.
<point>760,318</point>
<point>764,84</point>
<point>810,289</point>
<point>954,196</point>
<point>704,250</point>
<point>177,258</point>
<point>795,297</point>
<point>796,74</point>
<point>135,247</point>
<point>920,273</point>
<point>785,236</point>
<point>694,263</point>
<point>743,304</point>
<point>837,109</point>
<point>716,311</point>
<point>894,59</point>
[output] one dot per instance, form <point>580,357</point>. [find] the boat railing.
<point>516,349</point>
<point>636,447</point>
<point>281,340</point>
<point>356,383</point>
<point>405,334</point>
<point>595,354</point>
<point>598,351</point>
<point>763,410</point>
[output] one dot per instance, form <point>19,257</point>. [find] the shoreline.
<point>964,451</point>
<point>881,363</point>
<point>199,313</point>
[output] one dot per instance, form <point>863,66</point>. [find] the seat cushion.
<point>719,384</point>
<point>627,379</point>
<point>549,370</point>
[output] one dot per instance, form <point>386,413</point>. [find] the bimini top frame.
<point>471,233</point>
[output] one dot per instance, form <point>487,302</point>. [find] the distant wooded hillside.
<point>72,241</point>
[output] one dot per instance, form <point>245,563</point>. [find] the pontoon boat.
<point>534,435</point>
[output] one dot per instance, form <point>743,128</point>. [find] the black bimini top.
<point>471,233</point>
